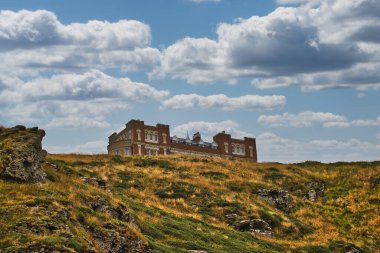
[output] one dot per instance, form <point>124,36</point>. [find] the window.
<point>139,134</point>
<point>127,150</point>
<point>151,136</point>
<point>226,147</point>
<point>155,152</point>
<point>147,151</point>
<point>139,149</point>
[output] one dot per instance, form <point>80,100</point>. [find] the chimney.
<point>197,137</point>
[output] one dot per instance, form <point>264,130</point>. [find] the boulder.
<point>99,204</point>
<point>256,226</point>
<point>21,154</point>
<point>110,237</point>
<point>95,182</point>
<point>231,218</point>
<point>351,249</point>
<point>113,241</point>
<point>280,199</point>
<point>316,190</point>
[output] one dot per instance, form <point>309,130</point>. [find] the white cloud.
<point>272,147</point>
<point>74,100</point>
<point>247,102</point>
<point>378,136</point>
<point>375,122</point>
<point>34,41</point>
<point>209,129</point>
<point>91,147</point>
<point>303,119</point>
<point>42,28</point>
<point>308,118</point>
<point>318,44</point>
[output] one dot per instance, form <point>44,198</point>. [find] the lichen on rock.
<point>21,154</point>
<point>280,199</point>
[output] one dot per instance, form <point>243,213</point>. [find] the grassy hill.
<point>181,203</point>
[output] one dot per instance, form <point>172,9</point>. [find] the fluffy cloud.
<point>73,100</point>
<point>308,118</point>
<point>317,44</point>
<point>38,40</point>
<point>303,119</point>
<point>42,28</point>
<point>91,147</point>
<point>209,129</point>
<point>272,147</point>
<point>248,102</point>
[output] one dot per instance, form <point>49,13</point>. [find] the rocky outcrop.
<point>95,182</point>
<point>21,154</point>
<point>114,239</point>
<point>255,226</point>
<point>316,190</point>
<point>101,205</point>
<point>231,219</point>
<point>351,249</point>
<point>280,199</point>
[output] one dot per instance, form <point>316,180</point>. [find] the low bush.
<point>176,190</point>
<point>150,162</point>
<point>214,175</point>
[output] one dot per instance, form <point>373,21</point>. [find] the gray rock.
<point>280,199</point>
<point>351,249</point>
<point>311,195</point>
<point>113,241</point>
<point>256,226</point>
<point>316,190</point>
<point>101,205</point>
<point>231,218</point>
<point>23,156</point>
<point>95,181</point>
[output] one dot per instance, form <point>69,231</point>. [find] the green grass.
<point>180,203</point>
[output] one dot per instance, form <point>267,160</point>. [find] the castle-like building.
<point>140,139</point>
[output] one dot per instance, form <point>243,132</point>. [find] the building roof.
<point>188,141</point>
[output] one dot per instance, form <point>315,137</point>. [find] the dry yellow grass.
<point>210,188</point>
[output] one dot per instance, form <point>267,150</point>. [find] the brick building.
<point>140,139</point>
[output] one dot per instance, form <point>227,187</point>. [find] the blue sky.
<point>302,76</point>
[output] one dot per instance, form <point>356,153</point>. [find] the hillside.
<point>101,203</point>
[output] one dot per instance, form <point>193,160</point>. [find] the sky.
<point>301,76</point>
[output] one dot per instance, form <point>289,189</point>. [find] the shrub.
<point>374,201</point>
<point>131,179</point>
<point>273,219</point>
<point>117,159</point>
<point>176,190</point>
<point>245,187</point>
<point>214,175</point>
<point>302,228</point>
<point>149,162</point>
